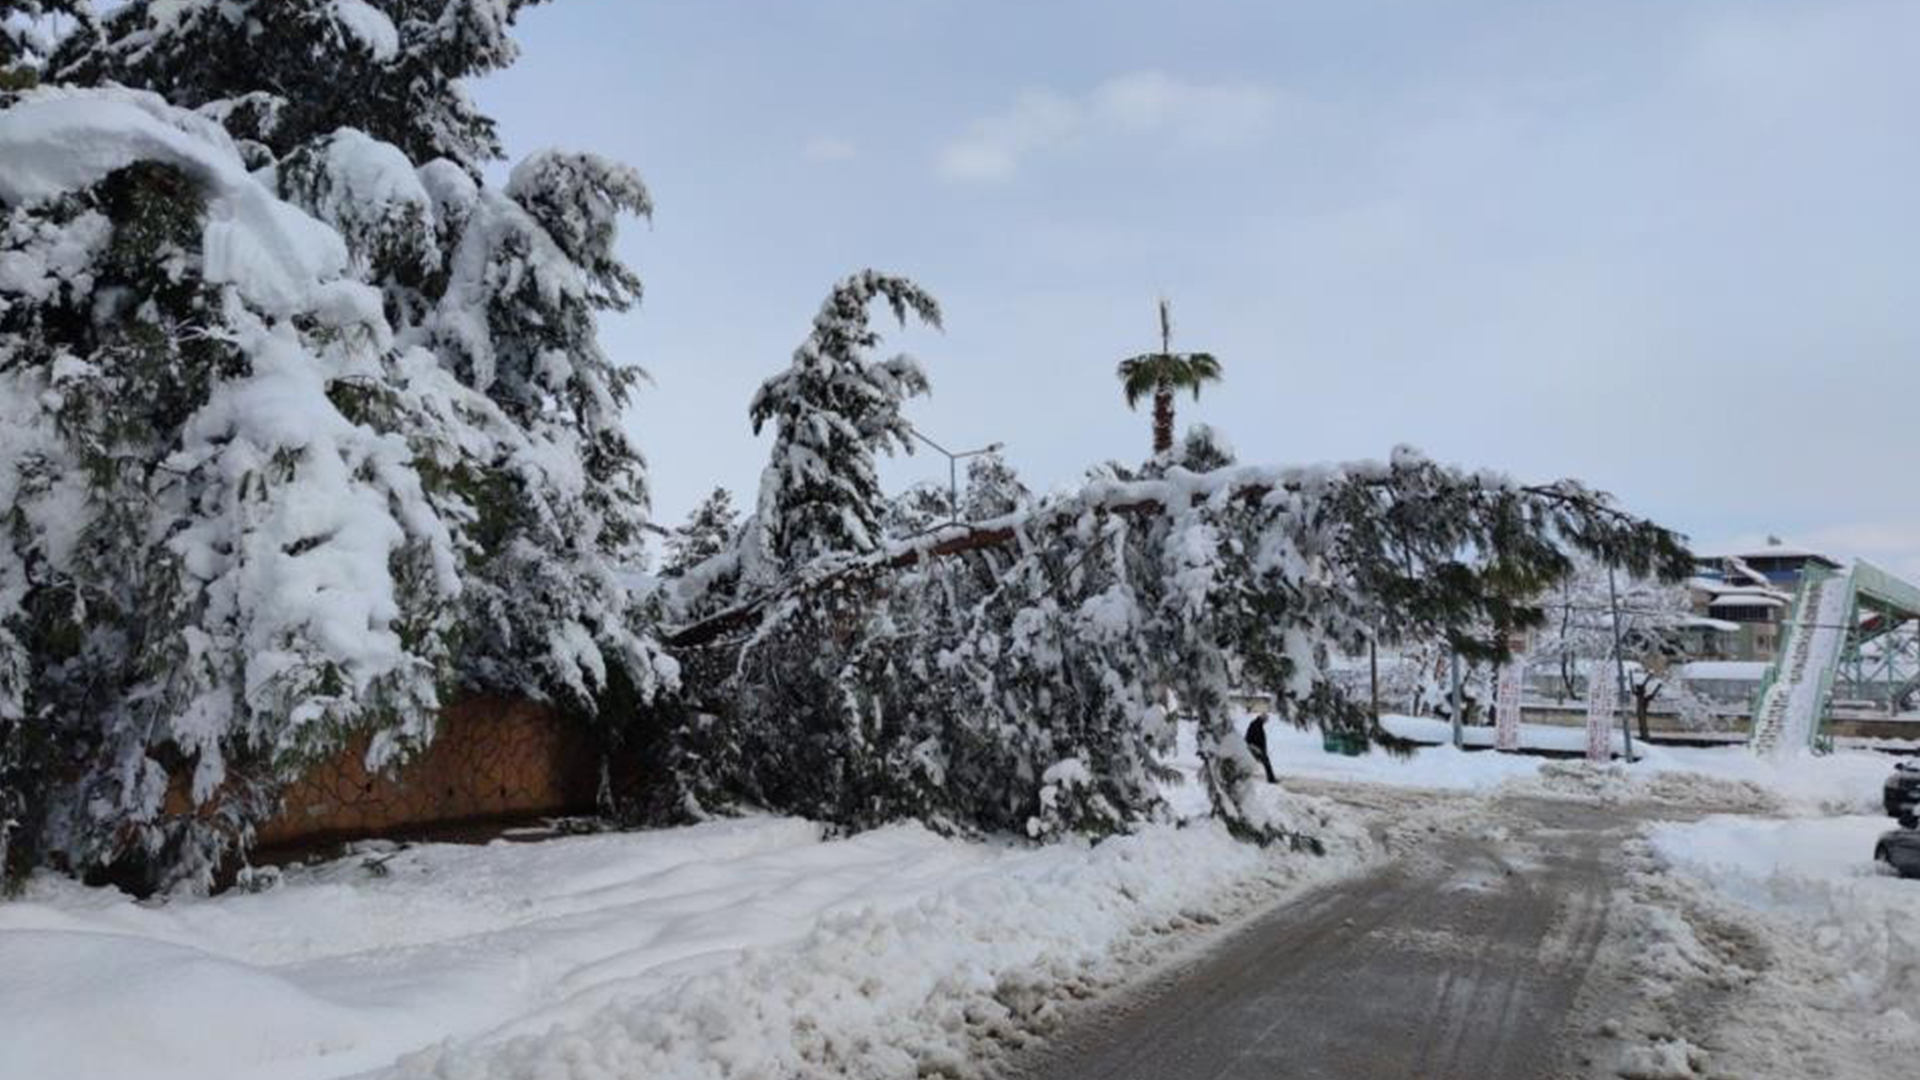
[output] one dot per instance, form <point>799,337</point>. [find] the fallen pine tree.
<point>1022,674</point>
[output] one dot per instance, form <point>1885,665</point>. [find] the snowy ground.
<point>746,948</point>
<point>1844,782</point>
<point>757,948</point>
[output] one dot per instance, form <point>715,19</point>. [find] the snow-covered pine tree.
<point>921,508</point>
<point>1204,449</point>
<point>200,539</point>
<point>993,489</point>
<point>563,505</point>
<point>833,410</point>
<point>302,432</point>
<point>358,108</point>
<point>29,29</point>
<point>712,528</point>
<point>1018,679</point>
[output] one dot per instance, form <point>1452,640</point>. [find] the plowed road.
<point>1460,959</point>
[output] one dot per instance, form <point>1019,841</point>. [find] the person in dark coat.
<point>1257,745</point>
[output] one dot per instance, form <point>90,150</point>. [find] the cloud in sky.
<point>1140,105</point>
<point>824,150</point>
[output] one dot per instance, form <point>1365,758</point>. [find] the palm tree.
<point>1160,374</point>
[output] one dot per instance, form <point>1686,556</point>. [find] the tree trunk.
<point>1641,707</point>
<point>1162,420</point>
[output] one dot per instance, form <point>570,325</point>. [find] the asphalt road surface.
<point>1462,958</point>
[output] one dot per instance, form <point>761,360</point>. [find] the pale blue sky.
<point>1666,247</point>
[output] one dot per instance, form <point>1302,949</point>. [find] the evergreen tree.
<point>1203,450</point>
<point>308,430</point>
<point>358,107</point>
<point>833,410</point>
<point>711,529</point>
<point>993,489</point>
<point>920,509</point>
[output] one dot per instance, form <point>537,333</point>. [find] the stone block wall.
<point>493,758</point>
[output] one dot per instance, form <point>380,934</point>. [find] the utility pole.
<point>1373,676</point>
<point>1459,732</point>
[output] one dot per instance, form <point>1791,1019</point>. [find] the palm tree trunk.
<point>1162,420</point>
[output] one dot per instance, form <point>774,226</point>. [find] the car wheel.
<point>1883,862</point>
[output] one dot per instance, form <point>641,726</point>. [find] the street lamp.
<point>953,468</point>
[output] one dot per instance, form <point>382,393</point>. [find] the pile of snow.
<point>741,948</point>
<point>1816,877</point>
<point>1781,942</point>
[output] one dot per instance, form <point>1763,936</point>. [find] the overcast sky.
<point>1670,248</point>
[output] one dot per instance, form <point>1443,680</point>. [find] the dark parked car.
<point>1900,849</point>
<point>1902,793</point>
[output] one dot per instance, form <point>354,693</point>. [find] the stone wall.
<point>493,758</point>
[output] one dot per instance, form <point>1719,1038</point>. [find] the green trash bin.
<point>1346,743</point>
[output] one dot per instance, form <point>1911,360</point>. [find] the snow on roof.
<point>1701,623</point>
<point>1725,670</point>
<point>1780,551</point>
<point>1719,588</point>
<point>1746,600</point>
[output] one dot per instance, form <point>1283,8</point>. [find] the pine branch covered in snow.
<point>1023,675</point>
<point>283,73</point>
<point>29,32</point>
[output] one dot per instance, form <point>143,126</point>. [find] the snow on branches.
<point>1593,614</point>
<point>283,73</point>
<point>1022,675</point>
<point>833,410</point>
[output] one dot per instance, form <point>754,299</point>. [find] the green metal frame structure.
<point>1878,659</point>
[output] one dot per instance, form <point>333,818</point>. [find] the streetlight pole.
<point>1620,666</point>
<point>953,468</point>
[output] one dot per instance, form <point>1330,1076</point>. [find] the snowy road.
<point>1462,958</point>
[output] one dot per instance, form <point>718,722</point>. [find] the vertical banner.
<point>1603,693</point>
<point>1506,704</point>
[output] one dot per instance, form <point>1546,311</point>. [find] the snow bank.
<point>1816,876</point>
<point>743,948</point>
<point>1814,956</point>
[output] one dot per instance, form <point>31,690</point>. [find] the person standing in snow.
<point>1257,745</point>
